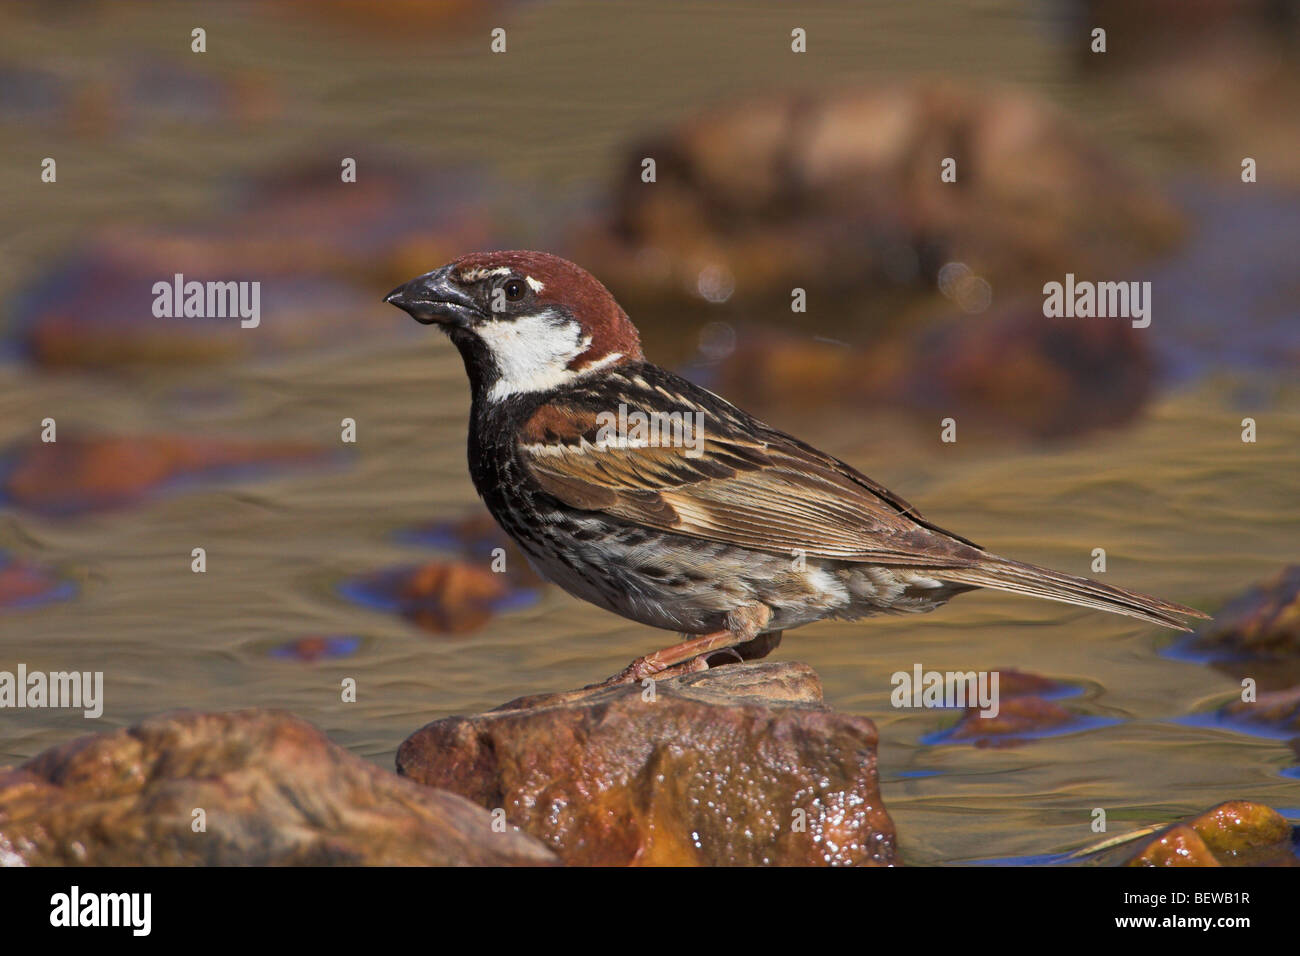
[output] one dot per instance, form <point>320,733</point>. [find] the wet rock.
<point>1217,74</point>
<point>1177,845</point>
<point>95,308</point>
<point>1018,718</point>
<point>1009,372</point>
<point>738,765</point>
<point>476,537</point>
<point>1044,378</point>
<point>273,791</point>
<point>1276,713</point>
<point>24,584</point>
<point>1235,833</point>
<point>1257,634</point>
<point>80,473</point>
<point>1027,709</point>
<point>839,193</point>
<point>444,597</point>
<point>1240,828</point>
<point>1154,29</point>
<point>319,247</point>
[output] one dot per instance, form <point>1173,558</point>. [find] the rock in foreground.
<point>1236,833</point>
<point>740,765</point>
<point>272,788</point>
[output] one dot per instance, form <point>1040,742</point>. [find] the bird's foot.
<point>687,657</point>
<point>692,656</point>
<point>645,667</point>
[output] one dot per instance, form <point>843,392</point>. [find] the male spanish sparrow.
<point>653,498</point>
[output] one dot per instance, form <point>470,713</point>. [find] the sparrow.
<point>649,496</point>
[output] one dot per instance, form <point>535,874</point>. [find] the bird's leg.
<point>692,655</point>
<point>760,646</point>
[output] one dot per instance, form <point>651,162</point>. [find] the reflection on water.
<point>1182,507</point>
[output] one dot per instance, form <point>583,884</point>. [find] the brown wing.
<point>750,485</point>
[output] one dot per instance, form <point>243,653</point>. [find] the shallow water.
<point>1183,508</point>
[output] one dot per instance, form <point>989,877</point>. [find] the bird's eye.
<point>514,290</point>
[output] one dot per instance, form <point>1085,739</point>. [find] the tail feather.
<point>1006,575</point>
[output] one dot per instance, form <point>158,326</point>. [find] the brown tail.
<point>1005,575</point>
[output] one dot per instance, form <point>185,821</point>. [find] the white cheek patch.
<point>532,352</point>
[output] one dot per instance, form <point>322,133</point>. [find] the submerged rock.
<point>1027,709</point>
<point>317,647</point>
<point>475,536</point>
<point>317,246</point>
<point>1010,372</point>
<point>1271,714</point>
<point>86,472</point>
<point>96,307</point>
<point>272,791</point>
<point>24,584</point>
<point>1257,634</point>
<point>739,765</point>
<point>1019,719</point>
<point>443,597</point>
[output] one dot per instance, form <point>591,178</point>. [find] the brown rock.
<point>1277,711</point>
<point>1017,718</point>
<point>1238,828</point>
<point>24,584</point>
<point>476,536</point>
<point>1264,620</point>
<point>444,597</point>
<point>1025,710</point>
<point>1178,845</point>
<point>1015,370</point>
<point>95,309</point>
<point>273,788</point>
<point>841,191</point>
<point>1258,634</point>
<point>714,770</point>
<point>319,247</point>
<point>1008,372</point>
<point>1235,833</point>
<point>91,472</point>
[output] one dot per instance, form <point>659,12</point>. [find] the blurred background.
<point>775,170</point>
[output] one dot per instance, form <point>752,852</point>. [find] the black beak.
<point>435,297</point>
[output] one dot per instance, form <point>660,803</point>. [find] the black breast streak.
<point>533,518</point>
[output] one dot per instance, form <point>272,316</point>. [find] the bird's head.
<point>523,321</point>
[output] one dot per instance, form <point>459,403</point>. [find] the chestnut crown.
<point>524,321</point>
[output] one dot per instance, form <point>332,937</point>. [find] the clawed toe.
<point>644,667</point>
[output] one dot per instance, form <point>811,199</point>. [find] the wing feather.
<point>750,485</point>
